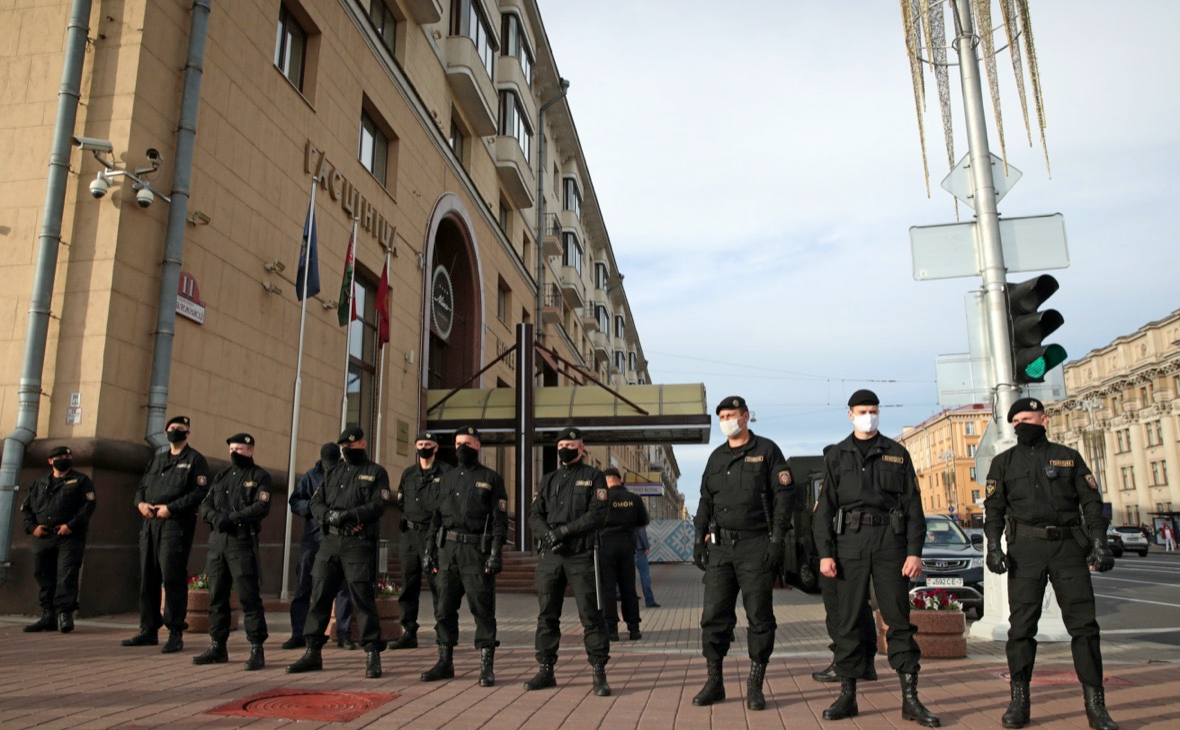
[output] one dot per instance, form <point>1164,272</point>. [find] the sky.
<point>758,168</point>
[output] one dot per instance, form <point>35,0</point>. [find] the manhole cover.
<point>299,704</point>
<point>1063,679</point>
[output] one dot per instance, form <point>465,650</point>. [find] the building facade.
<point>1123,416</point>
<point>420,120</point>
<point>943,449</point>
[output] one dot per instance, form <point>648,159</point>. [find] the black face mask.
<point>63,465</point>
<point>467,455</point>
<point>176,436</point>
<point>426,453</point>
<point>1029,433</point>
<point>567,455</point>
<point>241,460</point>
<point>355,457</point>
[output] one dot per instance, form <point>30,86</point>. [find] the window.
<point>458,138</point>
<point>600,276</point>
<point>572,254</point>
<point>971,451</point>
<point>1131,516</point>
<point>620,326</point>
<point>603,318</point>
<point>504,219</point>
<point>632,361</point>
<point>383,22</point>
<point>620,360</point>
<point>516,43</point>
<point>362,355</point>
<point>503,301</point>
<point>1122,444</point>
<point>290,47</point>
<point>1149,433</point>
<point>970,429</point>
<point>468,19</point>
<point>973,476</point>
<point>1159,432</point>
<point>513,122</point>
<point>1145,395</point>
<point>572,198</point>
<point>1159,473</point>
<point>374,148</point>
<point>1128,474</point>
<point>974,493</point>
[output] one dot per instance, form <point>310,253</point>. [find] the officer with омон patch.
<point>569,509</point>
<point>56,513</point>
<point>349,506</point>
<point>417,493</point>
<point>1044,495</point>
<point>617,557</point>
<point>168,497</point>
<point>470,521</point>
<point>237,501</point>
<point>869,527</point>
<point>744,511</point>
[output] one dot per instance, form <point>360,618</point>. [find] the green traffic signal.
<point>1029,328</point>
<point>1034,370</point>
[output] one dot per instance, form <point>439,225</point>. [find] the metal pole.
<point>381,380</point>
<point>348,327</point>
<point>284,594</point>
<point>525,429</point>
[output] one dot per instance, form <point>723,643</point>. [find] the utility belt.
<point>739,535</point>
<point>346,530</point>
<point>1048,532</point>
<point>846,520</point>
<point>240,530</point>
<point>463,538</point>
<point>418,525</point>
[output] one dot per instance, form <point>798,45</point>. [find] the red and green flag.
<point>346,307</point>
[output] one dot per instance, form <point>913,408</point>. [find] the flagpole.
<point>381,375</point>
<point>348,327</point>
<point>285,592</point>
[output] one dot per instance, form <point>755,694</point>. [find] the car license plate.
<point>944,582</point>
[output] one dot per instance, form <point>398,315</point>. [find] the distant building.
<point>943,449</point>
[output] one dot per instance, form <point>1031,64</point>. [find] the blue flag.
<point>312,260</point>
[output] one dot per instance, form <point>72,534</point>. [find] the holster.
<point>897,522</point>
<point>839,522</point>
<point>440,539</point>
<point>1083,539</point>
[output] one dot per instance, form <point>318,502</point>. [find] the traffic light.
<point>1030,358</point>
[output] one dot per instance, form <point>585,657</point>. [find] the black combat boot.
<point>215,654</point>
<point>346,643</point>
<point>1096,709</point>
<point>66,622</point>
<point>295,642</point>
<point>598,672</point>
<point>311,661</point>
<point>911,707</point>
<point>755,700</point>
<point>1018,709</point>
<point>714,689</point>
<point>544,677</point>
<point>143,638</point>
<point>48,622</point>
<point>612,632</point>
<point>827,675</point>
<point>373,664</point>
<point>408,640</point>
<point>174,644</point>
<point>257,658</point>
<point>487,666</point>
<point>633,632</point>
<point>845,704</point>
<point>444,668</point>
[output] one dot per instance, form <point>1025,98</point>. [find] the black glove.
<point>997,562</point>
<point>336,517</point>
<point>774,556</point>
<point>403,525</point>
<point>554,536</point>
<point>1101,558</point>
<point>495,562</point>
<point>222,522</point>
<point>430,562</point>
<point>700,554</point>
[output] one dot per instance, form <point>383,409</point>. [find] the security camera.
<point>94,144</point>
<point>154,155</point>
<point>145,197</point>
<point>100,186</point>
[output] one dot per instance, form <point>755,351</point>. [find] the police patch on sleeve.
<point>263,496</point>
<point>90,496</point>
<point>784,477</point>
<point>385,494</point>
<point>1091,481</point>
<point>991,487</point>
<point>600,494</point>
<point>202,480</point>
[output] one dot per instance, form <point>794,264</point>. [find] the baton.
<point>597,575</point>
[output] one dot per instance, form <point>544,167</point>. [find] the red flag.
<point>383,306</point>
<point>347,284</point>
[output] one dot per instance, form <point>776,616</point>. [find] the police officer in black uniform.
<point>570,507</point>
<point>745,498</point>
<point>237,501</point>
<point>417,493</point>
<point>470,521</point>
<point>869,526</point>
<point>168,497</point>
<point>617,555</point>
<point>1045,497</point>
<point>349,507</point>
<point>56,513</point>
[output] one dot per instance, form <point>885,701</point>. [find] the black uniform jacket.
<point>746,488</point>
<point>68,501</point>
<point>417,492</point>
<point>1042,484</point>
<point>627,513</point>
<point>242,495</point>
<point>574,496</point>
<point>471,500</point>
<point>360,491</point>
<point>176,481</point>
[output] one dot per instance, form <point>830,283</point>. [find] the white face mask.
<point>866,422</point>
<point>731,428</point>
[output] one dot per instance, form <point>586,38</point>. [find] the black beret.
<point>467,431</point>
<point>1025,404</point>
<point>182,420</point>
<point>863,397</point>
<point>60,451</point>
<point>329,452</point>
<point>426,436</point>
<point>733,401</point>
<point>241,438</point>
<point>569,433</point>
<point>351,435</point>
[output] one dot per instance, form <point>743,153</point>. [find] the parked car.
<point>953,562</point>
<point>1130,539</point>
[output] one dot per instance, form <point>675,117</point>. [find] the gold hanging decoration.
<point>1034,75</point>
<point>982,10</point>
<point>910,19</point>
<point>1011,24</point>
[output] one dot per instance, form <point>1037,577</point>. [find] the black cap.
<point>612,472</point>
<point>182,420</point>
<point>60,451</point>
<point>863,397</point>
<point>467,431</point>
<point>241,438</point>
<point>330,453</point>
<point>1025,404</point>
<point>426,436</point>
<point>351,435</point>
<point>569,433</point>
<point>733,401</point>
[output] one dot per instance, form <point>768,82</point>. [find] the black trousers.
<point>302,598</point>
<point>617,565</point>
<point>413,550</point>
<point>233,562</point>
<point>57,561</point>
<point>460,571</point>
<point>1032,561</point>
<point>352,562</point>
<point>164,547</point>
<point>554,573</point>
<point>868,627</point>
<point>733,567</point>
<point>874,555</point>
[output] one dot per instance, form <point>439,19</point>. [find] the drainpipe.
<point>565,86</point>
<point>33,363</point>
<point>182,174</point>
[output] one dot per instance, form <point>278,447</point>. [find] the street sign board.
<point>959,182</point>
<point>962,379</point>
<point>950,251</point>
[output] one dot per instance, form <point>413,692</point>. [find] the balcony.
<point>600,341</point>
<point>471,85</point>
<point>516,177</point>
<point>589,320</point>
<point>510,75</point>
<point>573,287</point>
<point>553,309</point>
<point>551,235</point>
<point>571,222</point>
<point>424,12</point>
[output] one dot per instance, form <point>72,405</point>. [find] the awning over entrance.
<point>676,414</point>
<point>645,484</point>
